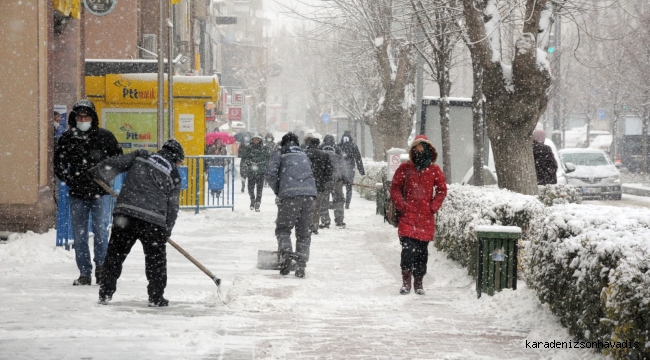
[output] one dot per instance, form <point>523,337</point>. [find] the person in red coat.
<point>418,190</point>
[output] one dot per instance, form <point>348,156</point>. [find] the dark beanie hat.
<point>174,149</point>
<point>289,138</point>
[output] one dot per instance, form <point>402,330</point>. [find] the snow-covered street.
<point>348,306</point>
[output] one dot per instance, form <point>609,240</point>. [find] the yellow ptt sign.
<point>174,2</point>
<point>69,7</point>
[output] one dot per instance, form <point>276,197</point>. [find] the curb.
<point>635,191</point>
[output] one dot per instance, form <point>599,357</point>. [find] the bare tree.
<point>516,95</point>
<point>638,49</point>
<point>439,22</point>
<point>373,36</point>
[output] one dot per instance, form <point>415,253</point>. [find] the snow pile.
<point>25,248</point>
<point>591,265</point>
<point>467,207</point>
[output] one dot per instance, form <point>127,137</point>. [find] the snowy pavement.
<point>347,307</point>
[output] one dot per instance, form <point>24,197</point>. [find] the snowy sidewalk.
<point>347,307</point>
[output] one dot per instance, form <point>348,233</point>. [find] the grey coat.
<point>151,188</point>
<point>341,170</point>
<point>289,173</point>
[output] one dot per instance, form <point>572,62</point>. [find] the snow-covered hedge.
<point>551,195</point>
<point>376,172</point>
<point>469,206</point>
<point>591,264</point>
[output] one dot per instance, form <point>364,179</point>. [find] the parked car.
<point>601,142</point>
<point>490,173</point>
<point>595,174</point>
<point>237,126</point>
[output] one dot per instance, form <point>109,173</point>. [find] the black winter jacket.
<point>78,151</point>
<point>255,158</point>
<point>151,188</point>
<point>321,166</point>
<point>545,164</point>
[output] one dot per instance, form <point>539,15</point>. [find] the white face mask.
<point>345,139</point>
<point>269,139</point>
<point>84,126</point>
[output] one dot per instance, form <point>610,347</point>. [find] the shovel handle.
<point>198,264</point>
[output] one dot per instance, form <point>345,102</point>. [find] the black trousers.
<point>126,230</point>
<point>415,254</point>
<point>295,212</point>
<point>255,180</point>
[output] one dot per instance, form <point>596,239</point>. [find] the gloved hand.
<point>89,176</point>
<point>362,172</point>
<point>278,201</point>
<point>168,233</point>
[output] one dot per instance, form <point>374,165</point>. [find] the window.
<point>585,159</point>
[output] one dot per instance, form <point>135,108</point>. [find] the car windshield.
<point>585,159</point>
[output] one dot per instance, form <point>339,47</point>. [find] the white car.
<point>490,172</point>
<point>237,126</point>
<point>595,174</point>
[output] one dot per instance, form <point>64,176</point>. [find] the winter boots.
<point>158,301</point>
<point>417,284</point>
<point>300,272</point>
<point>104,298</point>
<point>286,265</point>
<point>257,207</point>
<point>82,280</point>
<point>406,282</point>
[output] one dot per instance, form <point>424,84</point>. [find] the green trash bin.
<point>381,209</point>
<point>497,258</point>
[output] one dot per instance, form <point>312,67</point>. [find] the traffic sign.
<point>325,118</point>
<point>602,114</point>
<point>234,113</point>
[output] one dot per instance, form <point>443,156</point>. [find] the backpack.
<point>391,214</point>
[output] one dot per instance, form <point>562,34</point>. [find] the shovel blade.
<point>270,260</point>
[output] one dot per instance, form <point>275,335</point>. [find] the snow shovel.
<point>270,260</point>
<point>172,243</point>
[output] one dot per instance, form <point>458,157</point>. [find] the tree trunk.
<point>515,148</point>
<point>395,126</point>
<point>515,95</point>
<point>478,124</point>
<point>444,83</point>
<point>644,131</point>
<point>378,153</point>
<point>260,109</point>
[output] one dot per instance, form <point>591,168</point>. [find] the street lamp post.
<point>170,77</point>
<point>161,76</point>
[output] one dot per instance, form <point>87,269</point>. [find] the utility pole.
<point>558,70</point>
<point>161,75</point>
<point>170,64</point>
<point>419,85</point>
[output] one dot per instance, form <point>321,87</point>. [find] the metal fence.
<point>207,182</point>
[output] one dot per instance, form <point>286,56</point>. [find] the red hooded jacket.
<point>424,193</point>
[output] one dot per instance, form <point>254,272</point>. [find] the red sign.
<point>234,113</point>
